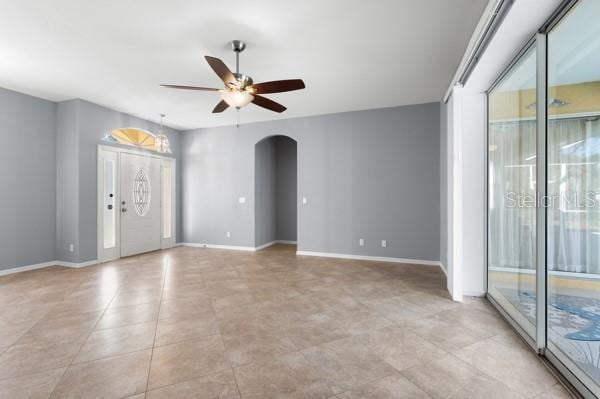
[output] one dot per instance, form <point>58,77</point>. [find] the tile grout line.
<point>162,290</point>
<point>476,368</point>
<point>182,381</point>
<point>110,356</point>
<point>237,386</point>
<point>41,318</point>
<point>125,325</point>
<point>202,375</point>
<point>31,328</point>
<point>472,368</point>
<point>319,346</point>
<point>84,341</point>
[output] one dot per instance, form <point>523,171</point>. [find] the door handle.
<point>110,207</point>
<point>123,210</point>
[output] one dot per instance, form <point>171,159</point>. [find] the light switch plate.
<point>228,234</point>
<point>304,201</point>
<point>242,200</point>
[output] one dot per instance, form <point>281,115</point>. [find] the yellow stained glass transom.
<point>135,137</point>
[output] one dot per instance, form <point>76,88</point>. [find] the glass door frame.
<point>531,341</point>
<point>559,361</point>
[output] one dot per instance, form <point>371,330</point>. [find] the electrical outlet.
<point>383,243</point>
<point>71,248</point>
<point>242,200</point>
<point>228,234</point>
<point>361,242</point>
<point>304,201</point>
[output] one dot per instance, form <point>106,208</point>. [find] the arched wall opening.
<point>275,188</point>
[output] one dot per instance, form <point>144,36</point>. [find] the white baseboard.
<point>26,268</point>
<point>475,293</point>
<point>215,246</point>
<point>443,267</point>
<point>267,245</point>
<point>75,264</point>
<point>42,265</point>
<point>192,244</point>
<point>373,258</point>
<point>233,247</point>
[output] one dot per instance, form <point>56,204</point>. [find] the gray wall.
<point>28,182</point>
<point>89,122</point>
<point>275,205</point>
<point>265,166</point>
<point>368,174</point>
<point>286,188</point>
<point>443,186</point>
<point>67,181</point>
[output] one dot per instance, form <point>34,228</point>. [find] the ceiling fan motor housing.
<point>243,80</point>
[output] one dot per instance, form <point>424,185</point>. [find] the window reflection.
<point>512,180</point>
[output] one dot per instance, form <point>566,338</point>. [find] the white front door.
<point>140,204</point>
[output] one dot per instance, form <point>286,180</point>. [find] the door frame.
<point>104,255</point>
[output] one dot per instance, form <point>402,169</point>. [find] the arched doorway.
<point>275,188</point>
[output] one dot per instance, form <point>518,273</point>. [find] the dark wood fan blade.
<point>190,88</point>
<point>268,104</point>
<point>221,106</point>
<point>278,86</point>
<point>220,69</point>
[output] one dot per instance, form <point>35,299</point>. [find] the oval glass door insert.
<point>141,192</point>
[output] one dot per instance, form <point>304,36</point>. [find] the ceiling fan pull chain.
<point>237,125</point>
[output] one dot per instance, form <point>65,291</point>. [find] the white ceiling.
<point>352,54</point>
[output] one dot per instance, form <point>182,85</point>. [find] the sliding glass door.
<point>573,172</point>
<point>544,236</point>
<point>511,189</point>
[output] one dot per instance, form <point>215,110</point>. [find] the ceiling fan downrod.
<point>237,46</point>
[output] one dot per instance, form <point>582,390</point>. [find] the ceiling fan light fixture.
<point>237,98</point>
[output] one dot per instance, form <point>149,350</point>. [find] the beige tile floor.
<point>202,323</point>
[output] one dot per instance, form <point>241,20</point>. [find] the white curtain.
<point>573,154</point>
<point>573,178</point>
<point>512,178</point>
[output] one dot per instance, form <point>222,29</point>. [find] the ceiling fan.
<point>239,89</point>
